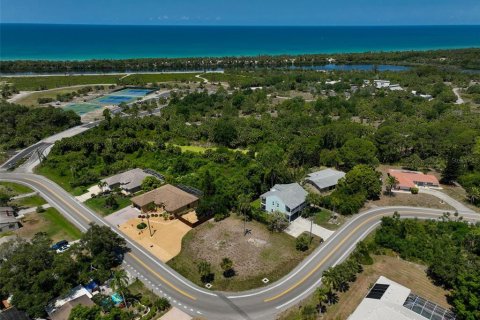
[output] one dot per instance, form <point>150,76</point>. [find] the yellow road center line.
<point>321,262</point>
<point>68,204</point>
<point>161,278</point>
<point>131,254</point>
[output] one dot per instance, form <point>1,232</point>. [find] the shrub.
<point>162,304</point>
<point>141,225</point>
<point>40,209</point>
<point>414,190</point>
<point>302,243</point>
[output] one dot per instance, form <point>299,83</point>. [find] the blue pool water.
<point>116,298</point>
<point>133,92</point>
<point>109,99</point>
<point>114,98</point>
<point>80,42</point>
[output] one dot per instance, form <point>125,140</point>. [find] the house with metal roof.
<point>129,181</point>
<point>325,180</point>
<point>289,199</point>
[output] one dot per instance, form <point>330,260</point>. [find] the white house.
<point>381,83</point>
<point>395,87</point>
<point>390,300</point>
<point>289,199</point>
<point>326,179</point>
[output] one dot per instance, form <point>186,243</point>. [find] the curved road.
<point>262,303</point>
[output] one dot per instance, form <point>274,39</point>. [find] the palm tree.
<point>391,183</point>
<point>204,269</point>
<point>101,184</point>
<point>227,267</point>
<point>244,207</point>
<point>474,194</point>
<point>321,294</point>
<point>120,283</point>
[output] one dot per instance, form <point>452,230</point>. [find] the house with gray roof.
<point>129,181</point>
<point>289,199</point>
<point>325,180</point>
<point>8,221</point>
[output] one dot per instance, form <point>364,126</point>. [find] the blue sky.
<point>242,12</point>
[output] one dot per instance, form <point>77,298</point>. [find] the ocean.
<point>81,42</point>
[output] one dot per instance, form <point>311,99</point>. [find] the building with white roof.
<point>381,83</point>
<point>390,300</point>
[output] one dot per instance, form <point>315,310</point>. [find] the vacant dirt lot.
<point>166,241</point>
<point>407,199</point>
<point>259,254</point>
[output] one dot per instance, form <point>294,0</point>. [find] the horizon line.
<point>241,25</point>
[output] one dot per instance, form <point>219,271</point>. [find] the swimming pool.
<point>116,298</point>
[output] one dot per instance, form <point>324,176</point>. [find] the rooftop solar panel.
<point>377,291</point>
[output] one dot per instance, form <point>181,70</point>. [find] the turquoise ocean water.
<point>79,42</point>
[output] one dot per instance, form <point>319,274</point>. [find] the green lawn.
<point>32,99</point>
<point>15,189</point>
<point>61,179</point>
<point>50,82</point>
<point>138,288</point>
<point>98,204</point>
<point>58,226</point>
<point>200,149</point>
<point>33,201</point>
<point>322,219</point>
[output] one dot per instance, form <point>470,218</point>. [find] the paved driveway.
<point>300,225</point>
<point>123,215</point>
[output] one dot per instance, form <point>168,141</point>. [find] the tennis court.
<point>114,98</point>
<point>133,92</point>
<point>81,108</point>
<point>109,99</point>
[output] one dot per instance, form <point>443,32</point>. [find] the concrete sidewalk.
<point>175,314</point>
<point>460,207</point>
<point>300,225</point>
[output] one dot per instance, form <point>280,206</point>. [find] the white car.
<point>63,249</point>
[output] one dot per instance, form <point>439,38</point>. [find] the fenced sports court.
<point>81,108</point>
<point>115,98</point>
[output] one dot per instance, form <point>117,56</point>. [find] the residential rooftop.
<point>292,194</point>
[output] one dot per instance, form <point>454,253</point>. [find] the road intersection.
<point>262,303</point>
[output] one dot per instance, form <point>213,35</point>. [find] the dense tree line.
<point>34,274</point>
<point>451,249</point>
<point>465,58</point>
<point>282,141</point>
<point>23,126</point>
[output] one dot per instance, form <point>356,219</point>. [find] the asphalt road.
<point>263,303</point>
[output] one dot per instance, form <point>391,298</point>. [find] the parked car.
<point>59,244</point>
<point>63,249</point>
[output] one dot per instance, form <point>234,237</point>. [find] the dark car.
<point>59,244</point>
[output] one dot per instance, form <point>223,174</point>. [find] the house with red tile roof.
<point>410,179</point>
